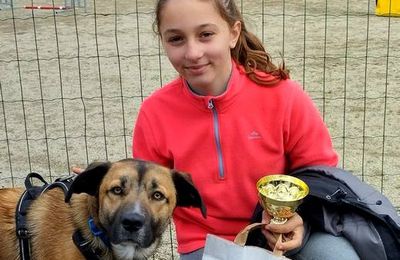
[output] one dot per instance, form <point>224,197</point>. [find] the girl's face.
<point>197,41</point>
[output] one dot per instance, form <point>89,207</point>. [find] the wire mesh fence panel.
<point>73,76</point>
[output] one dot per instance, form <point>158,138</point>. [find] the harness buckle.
<point>23,233</point>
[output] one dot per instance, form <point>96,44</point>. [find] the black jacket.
<point>342,205</point>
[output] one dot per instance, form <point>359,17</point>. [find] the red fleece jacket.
<point>227,143</point>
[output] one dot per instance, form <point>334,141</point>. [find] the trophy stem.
<point>278,220</point>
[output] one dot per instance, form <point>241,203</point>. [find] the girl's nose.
<point>194,51</point>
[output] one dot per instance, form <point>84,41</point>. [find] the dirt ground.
<point>72,81</point>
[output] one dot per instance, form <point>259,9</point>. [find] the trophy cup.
<point>280,195</point>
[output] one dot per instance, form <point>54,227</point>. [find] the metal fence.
<point>73,75</point>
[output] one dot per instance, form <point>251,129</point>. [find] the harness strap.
<point>31,193</point>
<point>28,196</point>
<point>63,183</point>
<point>84,246</point>
<point>22,232</point>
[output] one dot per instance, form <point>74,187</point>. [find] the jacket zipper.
<point>221,170</point>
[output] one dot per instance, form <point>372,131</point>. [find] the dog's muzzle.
<point>132,224</point>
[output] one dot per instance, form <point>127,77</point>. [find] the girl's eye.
<point>158,196</point>
<point>206,34</point>
<point>175,39</point>
<point>117,190</point>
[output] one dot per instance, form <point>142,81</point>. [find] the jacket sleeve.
<point>144,142</point>
<point>307,139</point>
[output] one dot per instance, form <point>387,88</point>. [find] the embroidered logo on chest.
<point>254,135</point>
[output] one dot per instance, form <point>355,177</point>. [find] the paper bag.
<point>221,249</point>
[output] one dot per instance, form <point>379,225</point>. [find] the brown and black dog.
<point>131,201</point>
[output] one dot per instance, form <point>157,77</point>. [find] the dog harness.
<point>31,193</point>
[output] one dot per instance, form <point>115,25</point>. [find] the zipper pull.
<point>337,195</point>
<point>210,104</point>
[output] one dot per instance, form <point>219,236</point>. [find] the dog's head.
<point>135,202</point>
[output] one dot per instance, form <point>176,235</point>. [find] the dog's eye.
<point>158,195</point>
<point>116,190</point>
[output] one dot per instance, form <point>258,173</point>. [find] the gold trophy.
<point>280,195</point>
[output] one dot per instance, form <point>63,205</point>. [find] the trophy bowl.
<point>280,195</point>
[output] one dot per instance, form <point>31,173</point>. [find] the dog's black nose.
<point>133,221</point>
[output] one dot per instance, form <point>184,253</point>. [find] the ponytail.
<point>251,54</point>
<point>249,50</point>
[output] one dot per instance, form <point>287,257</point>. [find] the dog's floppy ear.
<point>89,180</point>
<point>186,193</point>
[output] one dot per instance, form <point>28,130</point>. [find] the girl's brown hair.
<point>249,50</point>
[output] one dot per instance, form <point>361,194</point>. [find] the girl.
<point>230,118</point>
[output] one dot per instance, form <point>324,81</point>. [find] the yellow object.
<point>387,8</point>
<point>280,195</point>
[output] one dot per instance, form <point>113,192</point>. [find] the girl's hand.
<point>76,169</point>
<point>292,232</point>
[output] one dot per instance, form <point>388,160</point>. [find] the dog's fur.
<point>130,200</point>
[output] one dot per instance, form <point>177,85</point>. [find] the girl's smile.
<point>196,70</point>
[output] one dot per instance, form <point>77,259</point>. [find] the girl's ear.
<point>235,33</point>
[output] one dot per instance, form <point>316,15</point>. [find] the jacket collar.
<point>223,101</point>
